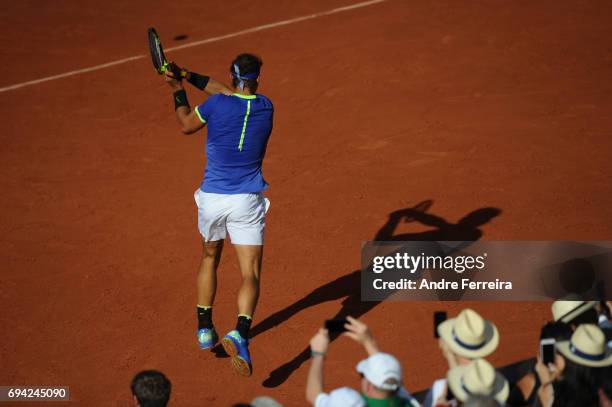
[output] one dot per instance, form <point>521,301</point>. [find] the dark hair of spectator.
<point>568,394</point>
<point>589,316</point>
<point>578,379</point>
<point>151,388</point>
<point>247,63</point>
<point>558,330</point>
<point>605,380</point>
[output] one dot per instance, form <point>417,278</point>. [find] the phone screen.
<point>335,325</point>
<point>439,317</point>
<point>547,350</point>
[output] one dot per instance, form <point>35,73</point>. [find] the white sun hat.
<point>566,310</point>
<point>477,378</point>
<point>469,335</point>
<point>587,347</point>
<point>379,368</point>
<point>341,397</point>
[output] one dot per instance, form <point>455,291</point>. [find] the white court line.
<point>196,43</point>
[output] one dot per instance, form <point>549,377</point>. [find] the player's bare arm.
<point>187,118</point>
<point>189,121</point>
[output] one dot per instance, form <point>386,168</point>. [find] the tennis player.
<point>230,199</point>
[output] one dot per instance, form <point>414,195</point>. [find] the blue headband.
<point>244,77</point>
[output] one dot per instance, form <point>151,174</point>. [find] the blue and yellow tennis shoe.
<point>238,349</point>
<point>207,338</point>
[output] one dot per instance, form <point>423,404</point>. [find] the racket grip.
<point>176,70</point>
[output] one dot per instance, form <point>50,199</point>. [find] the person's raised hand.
<point>546,373</point>
<point>359,331</point>
<point>442,398</point>
<point>320,342</point>
<point>172,81</point>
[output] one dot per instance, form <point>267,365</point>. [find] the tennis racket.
<point>160,63</point>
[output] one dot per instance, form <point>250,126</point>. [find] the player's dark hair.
<point>247,63</point>
<point>151,388</point>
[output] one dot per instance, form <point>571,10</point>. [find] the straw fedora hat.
<point>587,347</point>
<point>477,378</point>
<point>469,335</point>
<point>566,310</point>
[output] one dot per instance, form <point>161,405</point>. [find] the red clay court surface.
<point>471,104</point>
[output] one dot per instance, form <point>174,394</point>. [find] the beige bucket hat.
<point>566,310</point>
<point>587,347</point>
<point>469,335</point>
<point>478,378</point>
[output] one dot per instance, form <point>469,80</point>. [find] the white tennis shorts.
<point>242,215</point>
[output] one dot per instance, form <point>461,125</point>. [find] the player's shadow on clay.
<point>349,285</point>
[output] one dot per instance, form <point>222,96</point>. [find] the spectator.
<point>381,378</point>
<point>359,332</point>
<point>381,374</point>
<point>605,319</point>
<point>575,313</point>
<point>524,391</point>
<point>463,339</point>
<point>565,312</point>
<point>580,372</point>
<point>151,388</point>
<point>478,378</point>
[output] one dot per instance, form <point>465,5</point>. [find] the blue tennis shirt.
<point>239,127</point>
